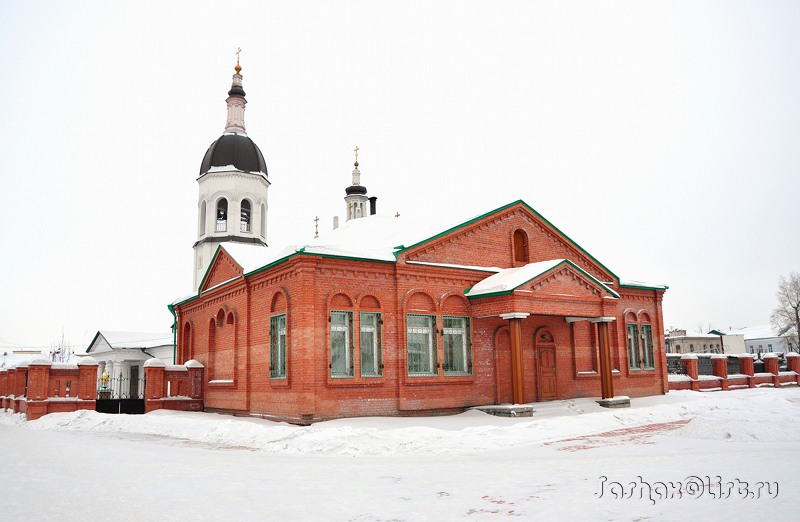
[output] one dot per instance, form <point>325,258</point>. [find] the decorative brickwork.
<point>229,327</point>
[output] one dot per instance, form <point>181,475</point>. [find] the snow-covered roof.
<point>380,238</point>
<point>10,359</point>
<point>642,284</point>
<point>374,237</point>
<point>509,279</point>
<point>762,331</point>
<point>693,335</point>
<point>132,340</point>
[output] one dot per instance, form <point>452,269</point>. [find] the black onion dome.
<point>236,90</point>
<point>237,150</point>
<point>355,189</point>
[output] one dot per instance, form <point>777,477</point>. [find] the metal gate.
<point>121,394</point>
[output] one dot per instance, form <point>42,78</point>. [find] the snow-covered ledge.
<point>154,363</point>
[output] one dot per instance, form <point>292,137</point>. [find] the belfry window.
<point>244,222</point>
<point>222,215</point>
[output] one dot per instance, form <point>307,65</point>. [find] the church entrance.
<point>545,349</point>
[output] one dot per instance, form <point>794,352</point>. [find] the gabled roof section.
<point>129,340</point>
<point>510,279</point>
<point>571,248</point>
<point>223,267</point>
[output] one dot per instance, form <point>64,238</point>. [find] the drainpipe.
<point>174,333</point>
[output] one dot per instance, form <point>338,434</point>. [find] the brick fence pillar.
<point>37,394</point>
<point>719,365</point>
<point>689,362</point>
<point>746,368</point>
<point>87,384</point>
<point>21,380</point>
<point>4,393</point>
<point>154,384</point>
<point>793,364</point>
<point>196,370</point>
<point>771,366</point>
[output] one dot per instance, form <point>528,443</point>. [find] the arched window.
<point>342,363</point>
<point>222,215</point>
<point>520,247</point>
<point>263,220</point>
<point>244,223</point>
<point>201,227</point>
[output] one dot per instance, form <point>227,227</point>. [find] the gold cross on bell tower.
<point>356,151</point>
<point>238,50</point>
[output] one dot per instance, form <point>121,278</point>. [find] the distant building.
<point>765,339</point>
<point>682,341</point>
<point>121,357</point>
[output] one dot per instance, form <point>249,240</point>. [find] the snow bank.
<point>721,417</point>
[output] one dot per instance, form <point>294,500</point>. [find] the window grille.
<point>421,344</point>
<point>634,360</point>
<point>341,364</point>
<point>370,344</point>
<point>457,349</point>
<point>277,346</point>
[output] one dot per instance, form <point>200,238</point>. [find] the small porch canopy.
<point>557,287</point>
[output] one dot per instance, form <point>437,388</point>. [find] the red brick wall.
<point>227,328</point>
<point>488,242</point>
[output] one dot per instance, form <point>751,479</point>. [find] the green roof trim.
<point>208,269</point>
<point>302,251</point>
<point>500,209</point>
<point>174,334</point>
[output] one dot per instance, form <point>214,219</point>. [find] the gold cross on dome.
<point>238,50</point>
<point>356,151</point>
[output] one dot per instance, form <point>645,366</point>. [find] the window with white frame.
<point>640,347</point>
<point>370,344</point>
<point>648,359</point>
<point>341,344</point>
<point>456,341</point>
<point>421,344</point>
<point>277,346</point>
<point>634,361</point>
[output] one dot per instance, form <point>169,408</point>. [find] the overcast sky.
<point>661,137</point>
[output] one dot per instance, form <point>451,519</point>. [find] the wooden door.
<point>546,359</point>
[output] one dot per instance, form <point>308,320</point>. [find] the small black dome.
<point>355,189</point>
<point>237,150</point>
<point>236,90</point>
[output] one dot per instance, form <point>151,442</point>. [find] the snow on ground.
<point>562,462</point>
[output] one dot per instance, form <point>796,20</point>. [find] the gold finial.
<point>356,151</point>
<point>238,67</point>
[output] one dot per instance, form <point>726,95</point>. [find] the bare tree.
<point>786,317</point>
<point>60,351</point>
<point>704,327</point>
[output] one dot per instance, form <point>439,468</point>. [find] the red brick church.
<point>379,317</point>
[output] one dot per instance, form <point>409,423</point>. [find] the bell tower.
<point>356,195</point>
<point>233,185</point>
